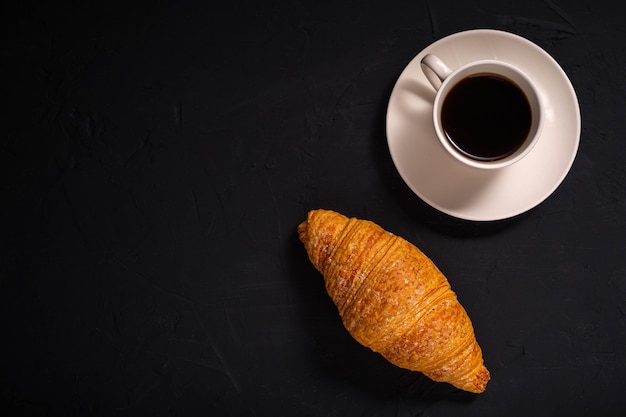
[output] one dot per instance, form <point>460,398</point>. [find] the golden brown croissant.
<point>393,299</point>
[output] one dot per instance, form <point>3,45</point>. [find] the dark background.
<point>156,158</point>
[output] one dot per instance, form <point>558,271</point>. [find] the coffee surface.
<point>486,117</point>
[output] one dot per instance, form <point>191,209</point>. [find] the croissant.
<point>393,299</point>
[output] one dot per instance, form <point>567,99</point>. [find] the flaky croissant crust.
<point>393,299</point>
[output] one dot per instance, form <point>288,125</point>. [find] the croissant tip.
<point>304,226</point>
<point>302,230</point>
<point>478,384</point>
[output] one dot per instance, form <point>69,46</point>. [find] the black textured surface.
<point>155,161</point>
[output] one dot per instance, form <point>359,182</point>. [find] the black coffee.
<point>486,117</point>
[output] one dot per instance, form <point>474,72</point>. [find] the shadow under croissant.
<point>340,363</point>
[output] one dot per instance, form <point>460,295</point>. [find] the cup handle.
<point>435,70</point>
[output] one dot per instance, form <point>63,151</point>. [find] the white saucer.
<point>471,193</point>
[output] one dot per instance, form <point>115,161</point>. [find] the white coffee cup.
<point>487,114</point>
